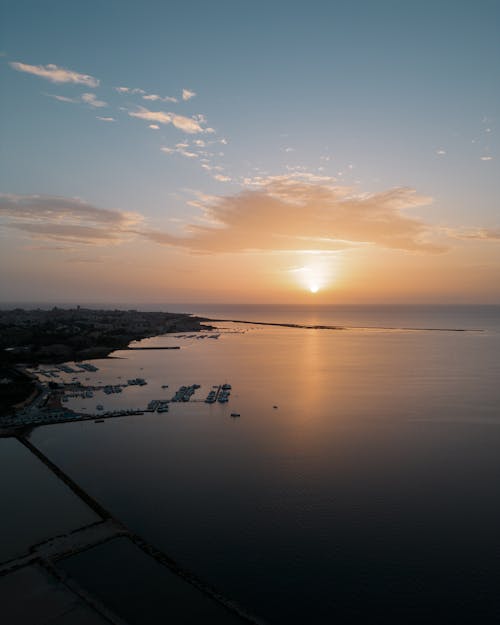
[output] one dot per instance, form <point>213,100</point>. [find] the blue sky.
<point>369,95</point>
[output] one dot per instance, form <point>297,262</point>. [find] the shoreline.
<point>152,324</point>
<point>51,337</point>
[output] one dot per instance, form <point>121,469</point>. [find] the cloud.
<point>222,178</point>
<point>180,148</point>
<point>187,94</point>
<point>152,116</point>
<point>153,97</point>
<point>62,98</point>
<point>486,158</point>
<point>296,213</point>
<point>481,234</point>
<point>86,98</point>
<point>106,119</point>
<point>130,90</point>
<point>54,218</point>
<point>154,126</point>
<point>186,124</point>
<point>80,260</point>
<point>91,100</point>
<point>56,74</point>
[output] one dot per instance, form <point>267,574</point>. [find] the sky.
<point>321,152</point>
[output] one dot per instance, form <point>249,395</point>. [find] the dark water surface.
<point>371,492</point>
<point>140,590</point>
<point>35,505</point>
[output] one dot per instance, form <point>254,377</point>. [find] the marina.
<point>57,394</point>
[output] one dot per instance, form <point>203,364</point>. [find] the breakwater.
<point>153,348</point>
<point>50,552</point>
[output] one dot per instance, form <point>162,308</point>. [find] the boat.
<point>235,414</point>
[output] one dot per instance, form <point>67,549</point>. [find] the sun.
<point>316,274</point>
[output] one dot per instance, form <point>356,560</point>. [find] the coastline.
<point>63,335</point>
<point>29,338</point>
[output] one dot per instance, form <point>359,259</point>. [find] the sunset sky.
<point>284,152</point>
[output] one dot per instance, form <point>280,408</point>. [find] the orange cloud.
<point>295,213</point>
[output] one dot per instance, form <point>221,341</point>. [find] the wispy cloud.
<point>87,98</point>
<point>480,234</point>
<point>56,74</point>
<point>71,220</point>
<point>222,178</point>
<point>186,124</point>
<point>152,116</point>
<point>106,119</point>
<point>62,98</point>
<point>131,90</point>
<point>83,260</point>
<point>187,94</point>
<point>153,97</point>
<point>91,100</point>
<point>154,127</point>
<point>295,214</point>
<point>180,149</point>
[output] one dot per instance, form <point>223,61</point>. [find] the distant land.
<point>58,335</point>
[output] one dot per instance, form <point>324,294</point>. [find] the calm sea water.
<point>360,482</point>
<point>36,505</point>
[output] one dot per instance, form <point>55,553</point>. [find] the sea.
<point>359,481</point>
